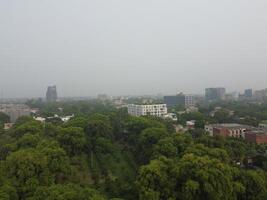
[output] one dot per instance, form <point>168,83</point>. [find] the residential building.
<point>189,100</point>
<point>51,93</point>
<point>40,119</point>
<point>14,111</point>
<point>227,130</point>
<point>181,99</point>
<point>159,110</point>
<point>256,136</point>
<point>171,116</point>
<point>190,124</point>
<point>212,94</point>
<point>8,126</point>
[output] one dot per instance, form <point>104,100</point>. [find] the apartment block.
<point>159,110</point>
<point>256,136</point>
<point>227,130</point>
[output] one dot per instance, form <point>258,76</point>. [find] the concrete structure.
<point>258,137</point>
<point>66,118</point>
<point>51,93</point>
<point>248,93</point>
<point>8,126</point>
<point>263,125</point>
<point>260,95</point>
<point>212,94</point>
<point>171,116</point>
<point>40,119</point>
<point>14,111</point>
<point>181,99</point>
<point>190,124</point>
<point>227,130</point>
<point>159,110</point>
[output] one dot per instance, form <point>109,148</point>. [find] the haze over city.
<point>123,47</point>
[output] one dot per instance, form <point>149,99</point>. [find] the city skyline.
<point>87,47</point>
<point>177,92</point>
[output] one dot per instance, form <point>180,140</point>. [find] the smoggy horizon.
<point>120,47</point>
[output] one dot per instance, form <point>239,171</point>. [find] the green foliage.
<point>103,153</point>
<point>28,169</point>
<point>66,192</point>
<point>4,118</point>
<point>72,139</point>
<point>29,127</point>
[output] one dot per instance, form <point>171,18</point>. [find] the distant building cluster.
<point>103,97</point>
<point>260,95</point>
<point>51,93</point>
<point>14,111</point>
<point>212,94</point>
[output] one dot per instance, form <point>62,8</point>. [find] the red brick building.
<point>258,137</point>
<point>227,130</point>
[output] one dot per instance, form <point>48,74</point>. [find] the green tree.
<point>155,180</point>
<point>72,139</point>
<point>66,192</point>
<point>28,169</point>
<point>255,184</point>
<point>4,118</point>
<point>147,139</point>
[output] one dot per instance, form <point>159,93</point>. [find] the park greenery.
<point>104,154</point>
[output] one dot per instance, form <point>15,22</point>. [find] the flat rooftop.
<point>230,125</point>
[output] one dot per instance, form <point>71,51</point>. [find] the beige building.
<point>159,110</point>
<point>14,111</point>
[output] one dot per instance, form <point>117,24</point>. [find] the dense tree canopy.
<point>103,153</point>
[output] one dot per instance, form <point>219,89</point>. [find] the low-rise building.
<point>171,116</point>
<point>14,111</point>
<point>256,136</point>
<point>159,110</point>
<point>8,126</point>
<point>40,119</point>
<point>227,130</point>
<point>190,124</point>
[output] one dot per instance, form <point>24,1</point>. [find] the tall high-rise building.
<point>248,93</point>
<point>215,94</point>
<point>179,100</point>
<point>51,93</point>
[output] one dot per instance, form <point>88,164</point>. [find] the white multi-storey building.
<point>189,100</point>
<point>159,110</point>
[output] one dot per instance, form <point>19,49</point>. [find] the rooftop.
<point>230,125</point>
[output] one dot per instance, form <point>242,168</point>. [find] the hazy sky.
<point>87,47</point>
